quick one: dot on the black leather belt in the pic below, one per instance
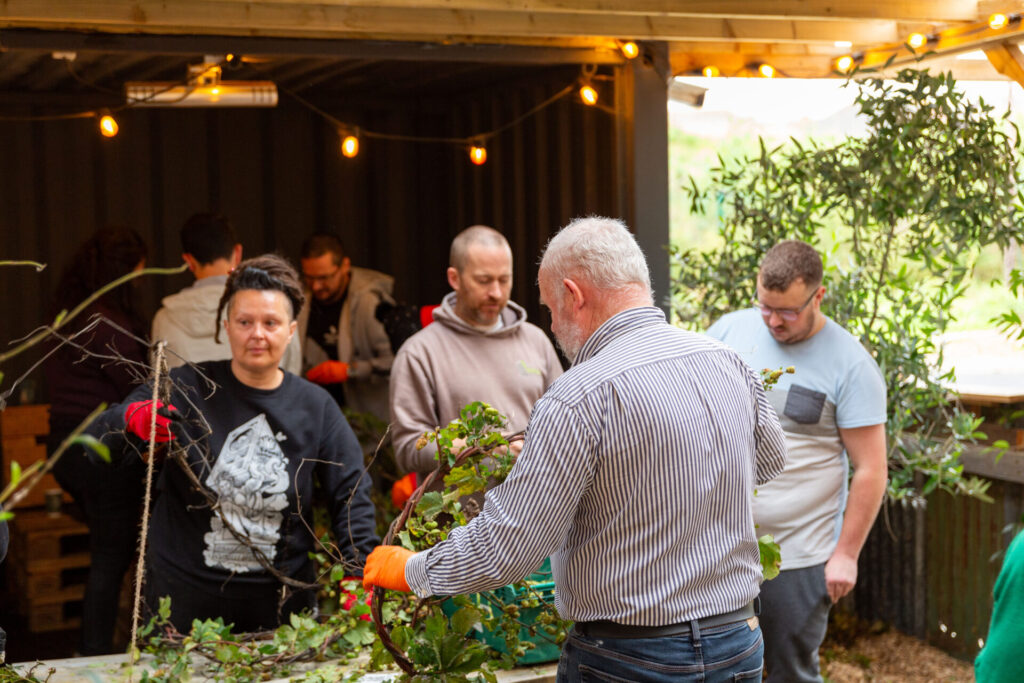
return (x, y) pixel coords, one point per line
(610, 629)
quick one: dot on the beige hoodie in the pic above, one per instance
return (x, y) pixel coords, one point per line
(450, 363)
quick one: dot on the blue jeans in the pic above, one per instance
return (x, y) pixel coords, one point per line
(732, 652)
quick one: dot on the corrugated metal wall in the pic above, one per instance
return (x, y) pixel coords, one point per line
(930, 571)
(279, 176)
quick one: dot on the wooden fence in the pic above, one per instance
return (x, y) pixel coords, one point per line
(928, 570)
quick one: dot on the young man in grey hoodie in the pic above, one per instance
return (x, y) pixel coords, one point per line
(187, 320)
(480, 348)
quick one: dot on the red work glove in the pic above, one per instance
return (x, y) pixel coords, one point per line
(328, 372)
(402, 489)
(427, 315)
(348, 599)
(139, 415)
(385, 567)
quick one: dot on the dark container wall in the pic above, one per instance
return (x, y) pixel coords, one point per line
(279, 175)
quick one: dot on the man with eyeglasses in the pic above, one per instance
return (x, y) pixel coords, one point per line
(833, 411)
(345, 348)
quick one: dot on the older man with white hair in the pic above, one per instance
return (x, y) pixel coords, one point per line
(637, 478)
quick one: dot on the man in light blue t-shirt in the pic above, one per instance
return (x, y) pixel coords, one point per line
(833, 410)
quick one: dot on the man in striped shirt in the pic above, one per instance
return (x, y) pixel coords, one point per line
(637, 478)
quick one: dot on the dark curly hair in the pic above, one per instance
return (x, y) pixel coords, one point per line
(107, 255)
(789, 261)
(266, 272)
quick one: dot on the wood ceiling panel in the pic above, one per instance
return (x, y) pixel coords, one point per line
(320, 19)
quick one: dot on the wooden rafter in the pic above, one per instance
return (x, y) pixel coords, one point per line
(945, 11)
(798, 37)
(946, 43)
(1007, 60)
(323, 19)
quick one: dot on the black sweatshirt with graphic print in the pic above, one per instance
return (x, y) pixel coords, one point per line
(258, 451)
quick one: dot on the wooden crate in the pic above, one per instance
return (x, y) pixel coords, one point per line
(30, 420)
(23, 432)
(57, 616)
(47, 568)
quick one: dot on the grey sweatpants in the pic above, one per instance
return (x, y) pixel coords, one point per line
(794, 618)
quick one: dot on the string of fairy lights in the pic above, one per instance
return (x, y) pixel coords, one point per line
(351, 136)
(915, 42)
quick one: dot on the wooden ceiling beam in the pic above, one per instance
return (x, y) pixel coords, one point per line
(319, 19)
(743, 64)
(819, 49)
(947, 43)
(1007, 60)
(944, 11)
(738, 64)
(572, 51)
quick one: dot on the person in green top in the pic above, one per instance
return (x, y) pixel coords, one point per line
(999, 660)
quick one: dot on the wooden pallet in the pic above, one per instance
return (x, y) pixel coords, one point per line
(47, 568)
(23, 432)
(59, 616)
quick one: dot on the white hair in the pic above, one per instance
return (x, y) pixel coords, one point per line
(598, 250)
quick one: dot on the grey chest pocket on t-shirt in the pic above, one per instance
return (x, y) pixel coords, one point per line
(804, 405)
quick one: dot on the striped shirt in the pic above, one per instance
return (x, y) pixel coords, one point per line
(636, 477)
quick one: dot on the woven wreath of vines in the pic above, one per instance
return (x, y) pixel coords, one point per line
(432, 638)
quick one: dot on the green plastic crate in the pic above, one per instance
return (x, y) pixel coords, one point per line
(544, 650)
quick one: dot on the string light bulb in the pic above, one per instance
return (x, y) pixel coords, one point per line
(844, 64)
(711, 71)
(478, 154)
(108, 126)
(917, 40)
(630, 50)
(998, 21)
(350, 145)
(766, 71)
(588, 95)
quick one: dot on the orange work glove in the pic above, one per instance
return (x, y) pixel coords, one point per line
(385, 567)
(139, 415)
(328, 372)
(402, 489)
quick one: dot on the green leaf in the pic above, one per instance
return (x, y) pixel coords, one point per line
(15, 472)
(771, 556)
(430, 505)
(401, 636)
(435, 626)
(450, 650)
(97, 446)
(465, 619)
(164, 610)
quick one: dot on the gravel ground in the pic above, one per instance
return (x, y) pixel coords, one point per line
(890, 657)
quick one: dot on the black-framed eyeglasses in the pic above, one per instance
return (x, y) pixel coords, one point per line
(312, 279)
(787, 314)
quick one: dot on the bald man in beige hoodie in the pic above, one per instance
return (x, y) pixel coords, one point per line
(480, 348)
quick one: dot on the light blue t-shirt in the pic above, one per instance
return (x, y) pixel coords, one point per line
(836, 385)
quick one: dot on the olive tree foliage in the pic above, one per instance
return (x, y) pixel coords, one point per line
(900, 214)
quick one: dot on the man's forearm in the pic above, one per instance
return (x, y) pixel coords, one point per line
(866, 490)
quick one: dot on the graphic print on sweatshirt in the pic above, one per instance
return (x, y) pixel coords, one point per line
(250, 479)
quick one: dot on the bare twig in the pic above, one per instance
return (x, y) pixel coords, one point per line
(64, 317)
